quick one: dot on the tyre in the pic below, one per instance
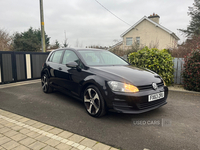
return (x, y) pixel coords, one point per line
(94, 102)
(45, 84)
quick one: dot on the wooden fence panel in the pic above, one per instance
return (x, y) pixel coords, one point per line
(178, 67)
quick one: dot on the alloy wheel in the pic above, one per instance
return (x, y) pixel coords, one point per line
(92, 101)
(44, 83)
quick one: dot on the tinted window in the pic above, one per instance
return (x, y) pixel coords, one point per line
(69, 56)
(56, 56)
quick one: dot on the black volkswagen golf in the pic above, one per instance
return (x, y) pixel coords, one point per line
(103, 81)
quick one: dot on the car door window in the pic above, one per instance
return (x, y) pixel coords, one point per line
(51, 57)
(57, 56)
(70, 56)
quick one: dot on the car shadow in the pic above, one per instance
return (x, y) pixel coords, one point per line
(153, 114)
(111, 115)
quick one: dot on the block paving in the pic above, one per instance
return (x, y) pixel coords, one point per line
(21, 133)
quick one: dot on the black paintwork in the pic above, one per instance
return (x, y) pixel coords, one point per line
(73, 78)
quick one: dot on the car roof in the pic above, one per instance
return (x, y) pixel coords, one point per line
(80, 49)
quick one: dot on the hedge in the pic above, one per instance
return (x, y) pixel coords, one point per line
(191, 72)
(159, 61)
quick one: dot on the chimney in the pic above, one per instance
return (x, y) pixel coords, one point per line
(154, 18)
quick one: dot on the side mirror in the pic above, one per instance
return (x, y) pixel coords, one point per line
(72, 65)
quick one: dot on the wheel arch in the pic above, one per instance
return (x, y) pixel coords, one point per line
(45, 71)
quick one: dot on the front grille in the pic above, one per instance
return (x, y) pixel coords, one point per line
(147, 105)
(150, 86)
(145, 87)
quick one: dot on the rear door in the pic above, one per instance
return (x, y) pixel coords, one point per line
(54, 67)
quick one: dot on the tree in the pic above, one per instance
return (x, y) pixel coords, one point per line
(29, 40)
(194, 27)
(97, 47)
(5, 41)
(191, 72)
(186, 47)
(65, 41)
(55, 46)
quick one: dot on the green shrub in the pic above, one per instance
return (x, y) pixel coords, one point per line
(191, 72)
(159, 61)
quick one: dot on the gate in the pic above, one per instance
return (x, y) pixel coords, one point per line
(20, 66)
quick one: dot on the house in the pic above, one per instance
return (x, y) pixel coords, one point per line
(148, 32)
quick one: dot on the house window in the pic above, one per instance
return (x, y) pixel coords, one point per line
(129, 41)
(138, 40)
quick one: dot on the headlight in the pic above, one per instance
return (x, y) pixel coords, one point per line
(122, 87)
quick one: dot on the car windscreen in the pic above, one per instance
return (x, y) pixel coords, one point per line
(101, 58)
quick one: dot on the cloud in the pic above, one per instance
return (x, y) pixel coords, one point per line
(89, 22)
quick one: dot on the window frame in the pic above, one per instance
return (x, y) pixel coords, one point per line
(138, 43)
(129, 39)
(50, 57)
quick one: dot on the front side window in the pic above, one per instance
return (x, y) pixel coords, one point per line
(56, 56)
(129, 41)
(69, 56)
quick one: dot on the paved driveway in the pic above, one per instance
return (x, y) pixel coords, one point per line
(57, 109)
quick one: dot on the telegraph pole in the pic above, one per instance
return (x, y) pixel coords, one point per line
(42, 26)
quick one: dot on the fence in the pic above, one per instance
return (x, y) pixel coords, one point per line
(178, 67)
(19, 66)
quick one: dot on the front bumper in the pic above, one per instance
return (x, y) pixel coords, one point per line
(136, 103)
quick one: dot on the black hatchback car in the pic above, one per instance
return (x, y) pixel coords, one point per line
(103, 81)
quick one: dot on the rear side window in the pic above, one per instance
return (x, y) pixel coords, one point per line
(51, 57)
(56, 56)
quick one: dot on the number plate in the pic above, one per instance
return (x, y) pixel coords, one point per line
(156, 96)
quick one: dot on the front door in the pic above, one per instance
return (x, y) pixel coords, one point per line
(70, 77)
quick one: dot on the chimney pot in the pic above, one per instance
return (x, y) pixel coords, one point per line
(154, 18)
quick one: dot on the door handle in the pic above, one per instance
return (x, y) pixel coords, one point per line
(59, 68)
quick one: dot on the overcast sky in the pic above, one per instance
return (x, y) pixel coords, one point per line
(87, 21)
